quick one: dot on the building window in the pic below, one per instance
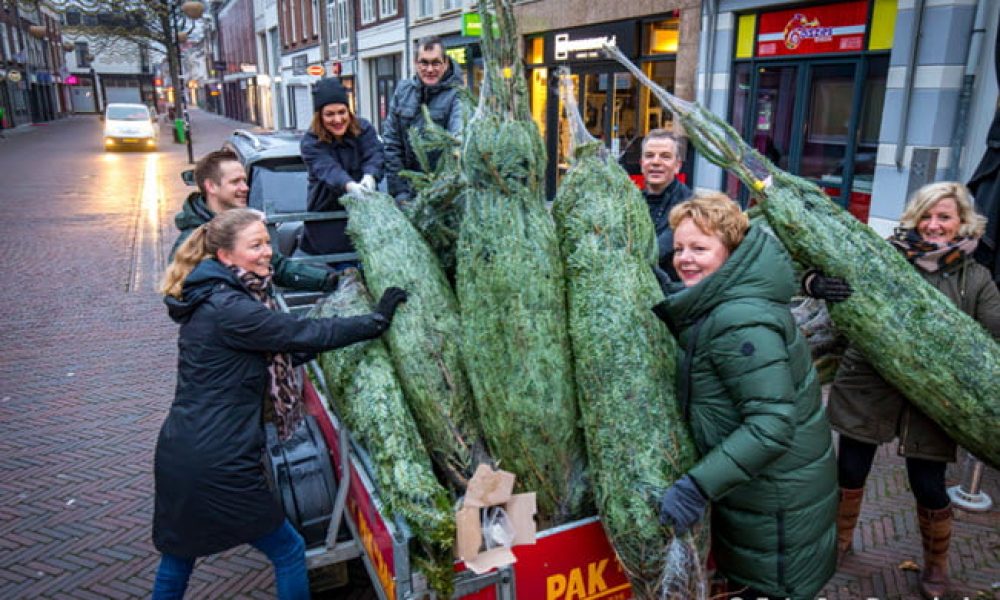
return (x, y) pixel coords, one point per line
(387, 8)
(339, 27)
(344, 16)
(425, 8)
(81, 55)
(367, 11)
(450, 4)
(293, 17)
(661, 37)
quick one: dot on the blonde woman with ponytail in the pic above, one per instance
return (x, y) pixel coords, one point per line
(234, 351)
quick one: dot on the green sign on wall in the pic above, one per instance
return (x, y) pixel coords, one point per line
(472, 25)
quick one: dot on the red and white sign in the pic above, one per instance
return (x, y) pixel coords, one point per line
(813, 29)
(315, 70)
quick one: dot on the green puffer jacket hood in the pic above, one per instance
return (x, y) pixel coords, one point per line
(749, 390)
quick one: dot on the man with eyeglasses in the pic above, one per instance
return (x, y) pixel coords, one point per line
(435, 84)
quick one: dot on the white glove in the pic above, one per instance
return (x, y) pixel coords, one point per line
(368, 182)
(354, 188)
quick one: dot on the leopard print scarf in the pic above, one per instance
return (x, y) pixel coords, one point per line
(929, 256)
(284, 391)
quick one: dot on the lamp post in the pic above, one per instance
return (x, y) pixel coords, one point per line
(192, 9)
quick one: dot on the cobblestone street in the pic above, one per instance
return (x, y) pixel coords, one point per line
(87, 371)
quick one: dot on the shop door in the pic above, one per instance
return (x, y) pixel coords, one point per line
(826, 126)
(801, 117)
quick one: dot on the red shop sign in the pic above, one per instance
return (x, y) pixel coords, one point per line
(813, 29)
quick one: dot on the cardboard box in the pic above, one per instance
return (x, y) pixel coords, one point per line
(486, 489)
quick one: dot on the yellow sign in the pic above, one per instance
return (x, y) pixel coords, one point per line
(582, 585)
(457, 53)
(378, 561)
(14, 76)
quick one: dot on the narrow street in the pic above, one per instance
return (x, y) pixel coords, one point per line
(88, 363)
(87, 372)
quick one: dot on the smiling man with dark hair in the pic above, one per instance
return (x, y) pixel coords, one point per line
(222, 185)
(660, 163)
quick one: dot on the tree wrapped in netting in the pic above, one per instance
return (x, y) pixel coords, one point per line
(510, 286)
(940, 358)
(436, 209)
(365, 393)
(425, 337)
(624, 360)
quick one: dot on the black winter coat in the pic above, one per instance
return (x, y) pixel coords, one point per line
(331, 167)
(659, 210)
(445, 109)
(211, 490)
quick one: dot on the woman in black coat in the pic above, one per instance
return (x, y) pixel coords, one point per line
(343, 154)
(233, 356)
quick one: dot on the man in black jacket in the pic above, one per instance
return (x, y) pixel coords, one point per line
(222, 185)
(435, 84)
(660, 164)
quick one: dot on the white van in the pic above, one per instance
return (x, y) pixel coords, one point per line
(130, 125)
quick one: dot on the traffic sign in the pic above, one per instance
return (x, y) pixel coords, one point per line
(315, 70)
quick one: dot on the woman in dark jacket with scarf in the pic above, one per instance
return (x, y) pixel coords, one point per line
(938, 233)
(343, 154)
(747, 386)
(234, 354)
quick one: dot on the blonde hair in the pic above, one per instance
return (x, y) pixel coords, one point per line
(324, 135)
(205, 242)
(715, 214)
(973, 224)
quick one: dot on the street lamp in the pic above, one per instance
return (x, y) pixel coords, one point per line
(192, 9)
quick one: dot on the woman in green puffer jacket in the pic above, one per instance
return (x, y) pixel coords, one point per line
(748, 388)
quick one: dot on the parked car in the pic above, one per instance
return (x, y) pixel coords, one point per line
(276, 176)
(130, 125)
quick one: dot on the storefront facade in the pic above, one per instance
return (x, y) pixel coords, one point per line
(614, 106)
(845, 94)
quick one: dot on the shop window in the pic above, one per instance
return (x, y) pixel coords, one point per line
(652, 115)
(536, 50)
(738, 111)
(661, 37)
(539, 79)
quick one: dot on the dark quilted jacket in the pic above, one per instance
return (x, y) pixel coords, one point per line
(404, 112)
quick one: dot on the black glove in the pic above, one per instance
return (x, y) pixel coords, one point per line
(682, 505)
(831, 289)
(389, 302)
(330, 284)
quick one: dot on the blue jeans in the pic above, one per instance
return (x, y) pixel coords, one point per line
(284, 547)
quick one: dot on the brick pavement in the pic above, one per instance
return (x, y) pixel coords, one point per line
(87, 368)
(86, 376)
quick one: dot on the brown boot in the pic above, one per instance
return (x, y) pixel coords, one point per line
(935, 531)
(847, 517)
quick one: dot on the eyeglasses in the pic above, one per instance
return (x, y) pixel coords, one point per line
(426, 64)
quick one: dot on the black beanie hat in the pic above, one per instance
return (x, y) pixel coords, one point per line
(328, 91)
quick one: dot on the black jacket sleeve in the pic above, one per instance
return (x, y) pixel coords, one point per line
(246, 324)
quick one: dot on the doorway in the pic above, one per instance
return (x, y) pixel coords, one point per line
(818, 119)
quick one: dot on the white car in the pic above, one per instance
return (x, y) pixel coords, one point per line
(130, 125)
